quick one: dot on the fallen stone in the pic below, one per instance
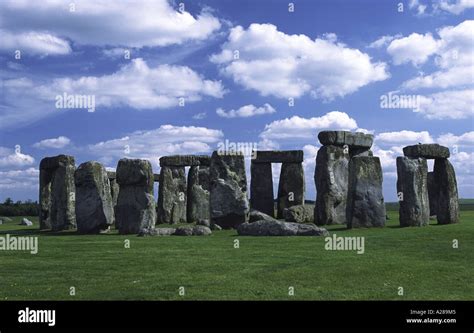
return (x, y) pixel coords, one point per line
(229, 204)
(291, 187)
(342, 138)
(6, 219)
(172, 195)
(447, 211)
(300, 213)
(94, 205)
(135, 208)
(278, 156)
(204, 222)
(429, 151)
(256, 215)
(412, 191)
(198, 194)
(277, 228)
(157, 232)
(185, 160)
(261, 188)
(331, 179)
(25, 221)
(198, 230)
(215, 227)
(365, 203)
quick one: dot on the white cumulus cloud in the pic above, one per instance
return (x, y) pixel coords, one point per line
(246, 111)
(59, 142)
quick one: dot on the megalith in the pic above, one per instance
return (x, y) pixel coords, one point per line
(261, 188)
(198, 194)
(229, 204)
(114, 187)
(57, 193)
(135, 208)
(331, 179)
(365, 202)
(94, 204)
(432, 193)
(172, 195)
(447, 193)
(412, 191)
(291, 187)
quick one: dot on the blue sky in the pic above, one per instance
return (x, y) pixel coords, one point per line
(236, 65)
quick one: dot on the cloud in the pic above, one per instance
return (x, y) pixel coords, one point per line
(200, 115)
(416, 5)
(463, 140)
(307, 128)
(11, 158)
(104, 23)
(166, 140)
(34, 43)
(455, 7)
(19, 179)
(56, 143)
(404, 137)
(274, 63)
(135, 85)
(415, 48)
(383, 41)
(455, 104)
(246, 111)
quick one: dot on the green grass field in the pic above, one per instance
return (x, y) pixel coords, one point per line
(99, 267)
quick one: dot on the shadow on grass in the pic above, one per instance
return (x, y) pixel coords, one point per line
(37, 232)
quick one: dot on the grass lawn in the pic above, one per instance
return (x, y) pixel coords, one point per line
(99, 267)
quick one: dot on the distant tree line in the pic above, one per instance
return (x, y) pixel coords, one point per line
(19, 208)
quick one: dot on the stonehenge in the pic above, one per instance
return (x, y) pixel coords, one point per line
(213, 194)
(291, 186)
(57, 193)
(422, 193)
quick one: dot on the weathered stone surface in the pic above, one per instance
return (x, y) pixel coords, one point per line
(291, 187)
(111, 175)
(94, 205)
(300, 213)
(256, 215)
(172, 195)
(57, 193)
(447, 190)
(198, 194)
(278, 156)
(229, 203)
(365, 203)
(198, 230)
(331, 179)
(156, 177)
(135, 208)
(114, 190)
(204, 222)
(432, 150)
(215, 227)
(261, 188)
(432, 193)
(185, 160)
(341, 138)
(412, 190)
(277, 228)
(360, 152)
(26, 222)
(157, 232)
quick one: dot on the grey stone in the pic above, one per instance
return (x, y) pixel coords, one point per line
(25, 221)
(172, 195)
(277, 228)
(215, 227)
(204, 222)
(291, 187)
(6, 219)
(135, 208)
(261, 188)
(229, 203)
(198, 230)
(331, 179)
(342, 138)
(412, 190)
(432, 150)
(114, 190)
(185, 160)
(360, 152)
(300, 213)
(94, 205)
(278, 156)
(57, 193)
(365, 203)
(198, 194)
(256, 215)
(447, 192)
(432, 193)
(157, 232)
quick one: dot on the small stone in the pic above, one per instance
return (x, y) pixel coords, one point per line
(299, 214)
(256, 215)
(277, 228)
(204, 222)
(25, 221)
(157, 232)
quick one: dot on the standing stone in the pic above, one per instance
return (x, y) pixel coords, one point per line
(229, 205)
(94, 206)
(261, 188)
(57, 193)
(135, 208)
(331, 178)
(172, 195)
(365, 203)
(412, 191)
(447, 190)
(114, 187)
(198, 194)
(291, 187)
(432, 193)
